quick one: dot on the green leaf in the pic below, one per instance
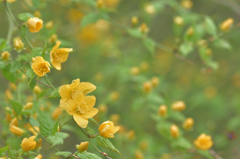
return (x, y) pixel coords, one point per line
(2, 64)
(221, 43)
(57, 139)
(149, 45)
(88, 155)
(32, 82)
(101, 141)
(9, 76)
(37, 51)
(3, 149)
(212, 64)
(90, 2)
(92, 18)
(137, 104)
(210, 26)
(155, 98)
(181, 143)
(13, 142)
(63, 153)
(205, 154)
(46, 124)
(64, 118)
(134, 32)
(55, 93)
(89, 130)
(164, 129)
(186, 48)
(23, 30)
(177, 116)
(25, 16)
(16, 65)
(17, 107)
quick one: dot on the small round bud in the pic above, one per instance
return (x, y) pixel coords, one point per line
(144, 28)
(134, 21)
(188, 123)
(135, 70)
(5, 55)
(49, 25)
(28, 106)
(162, 111)
(18, 44)
(147, 87)
(37, 89)
(83, 146)
(178, 21)
(155, 81)
(178, 106)
(102, 108)
(174, 131)
(225, 26)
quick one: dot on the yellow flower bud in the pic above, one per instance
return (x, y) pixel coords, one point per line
(155, 81)
(28, 106)
(53, 38)
(8, 117)
(150, 9)
(203, 142)
(139, 155)
(144, 66)
(8, 94)
(10, 1)
(107, 129)
(144, 145)
(115, 95)
(28, 144)
(225, 26)
(178, 21)
(144, 28)
(131, 135)
(5, 55)
(99, 76)
(37, 13)
(24, 77)
(39, 144)
(40, 66)
(100, 4)
(37, 89)
(178, 106)
(147, 87)
(174, 131)
(33, 130)
(134, 21)
(14, 122)
(16, 130)
(188, 123)
(135, 70)
(190, 31)
(102, 108)
(115, 118)
(188, 4)
(18, 44)
(56, 113)
(34, 24)
(38, 157)
(162, 111)
(83, 146)
(49, 25)
(12, 86)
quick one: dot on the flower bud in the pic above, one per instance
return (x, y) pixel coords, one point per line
(100, 4)
(40, 66)
(155, 81)
(12, 86)
(5, 55)
(174, 131)
(190, 31)
(225, 26)
(14, 122)
(162, 111)
(139, 155)
(115, 118)
(144, 145)
(107, 129)
(135, 70)
(150, 9)
(18, 44)
(131, 135)
(188, 4)
(49, 25)
(178, 106)
(37, 89)
(16, 130)
(34, 24)
(53, 38)
(39, 144)
(203, 142)
(83, 146)
(38, 157)
(28, 106)
(144, 28)
(115, 96)
(178, 21)
(144, 66)
(28, 144)
(56, 113)
(188, 123)
(102, 108)
(37, 13)
(147, 87)
(134, 21)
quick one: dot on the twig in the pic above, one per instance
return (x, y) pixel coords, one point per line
(214, 154)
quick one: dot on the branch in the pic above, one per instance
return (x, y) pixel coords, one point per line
(214, 154)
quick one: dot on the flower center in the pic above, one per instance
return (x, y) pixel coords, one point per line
(56, 57)
(82, 107)
(42, 67)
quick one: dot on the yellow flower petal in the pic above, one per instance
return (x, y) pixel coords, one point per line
(65, 90)
(91, 113)
(90, 101)
(82, 122)
(86, 87)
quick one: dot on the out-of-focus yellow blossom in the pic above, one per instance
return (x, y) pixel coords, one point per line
(74, 15)
(131, 135)
(8, 117)
(144, 66)
(210, 92)
(135, 70)
(115, 118)
(144, 28)
(53, 38)
(139, 155)
(12, 86)
(147, 87)
(16, 130)
(107, 129)
(188, 4)
(8, 94)
(98, 76)
(178, 106)
(75, 103)
(49, 25)
(225, 26)
(36, 90)
(28, 106)
(209, 51)
(188, 123)
(10, 1)
(174, 131)
(34, 130)
(178, 21)
(58, 56)
(38, 157)
(203, 142)
(28, 144)
(34, 24)
(14, 122)
(102, 25)
(203, 43)
(40, 66)
(144, 145)
(111, 3)
(155, 81)
(190, 31)
(162, 111)
(39, 144)
(150, 9)
(89, 34)
(24, 77)
(100, 4)
(5, 55)
(115, 95)
(134, 21)
(102, 108)
(56, 113)
(83, 146)
(165, 156)
(37, 13)
(18, 44)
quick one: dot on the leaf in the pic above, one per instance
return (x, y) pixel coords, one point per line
(90, 2)
(177, 116)
(55, 93)
(92, 18)
(137, 104)
(23, 30)
(46, 125)
(155, 98)
(3, 149)
(15, 66)
(17, 107)
(134, 32)
(149, 45)
(63, 153)
(13, 142)
(205, 154)
(2, 64)
(9, 76)
(88, 155)
(32, 82)
(25, 16)
(212, 64)
(186, 48)
(57, 139)
(181, 143)
(64, 118)
(221, 43)
(101, 141)
(164, 129)
(210, 26)
(89, 130)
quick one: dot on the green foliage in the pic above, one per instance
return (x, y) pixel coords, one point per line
(55, 94)
(46, 124)
(57, 138)
(101, 141)
(25, 16)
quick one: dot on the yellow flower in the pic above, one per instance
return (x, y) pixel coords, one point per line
(225, 26)
(18, 44)
(40, 66)
(147, 87)
(162, 111)
(188, 4)
(139, 155)
(36, 90)
(12, 86)
(144, 28)
(102, 108)
(178, 106)
(83, 146)
(56, 113)
(134, 21)
(203, 142)
(174, 131)
(34, 24)
(115, 118)
(53, 38)
(75, 103)
(16, 130)
(58, 56)
(188, 123)
(38, 157)
(5, 55)
(155, 81)
(135, 70)
(150, 9)
(107, 129)
(10, 1)
(49, 25)
(14, 122)
(114, 95)
(28, 144)
(178, 21)
(28, 106)
(190, 31)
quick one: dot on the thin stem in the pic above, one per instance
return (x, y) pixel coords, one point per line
(49, 82)
(43, 83)
(10, 30)
(214, 154)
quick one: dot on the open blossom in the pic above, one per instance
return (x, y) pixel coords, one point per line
(28, 144)
(107, 129)
(58, 56)
(203, 142)
(40, 66)
(34, 24)
(75, 103)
